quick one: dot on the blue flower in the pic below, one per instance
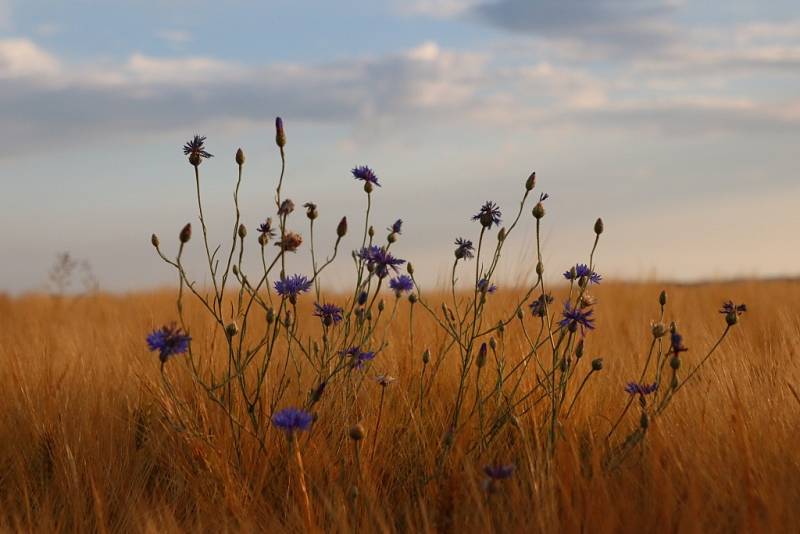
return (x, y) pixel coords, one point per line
(676, 342)
(292, 286)
(488, 215)
(499, 471)
(401, 283)
(582, 270)
(464, 248)
(538, 306)
(641, 389)
(168, 341)
(196, 148)
(576, 317)
(365, 174)
(730, 307)
(379, 260)
(485, 285)
(329, 313)
(396, 227)
(266, 228)
(359, 357)
(291, 420)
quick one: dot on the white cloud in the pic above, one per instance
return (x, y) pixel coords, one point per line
(21, 58)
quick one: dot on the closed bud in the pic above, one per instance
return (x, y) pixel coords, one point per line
(538, 210)
(186, 233)
(480, 361)
(659, 330)
(539, 268)
(195, 159)
(391, 238)
(368, 187)
(362, 298)
(369, 315)
(520, 313)
(492, 343)
(597, 364)
(341, 228)
(316, 393)
(731, 318)
(426, 356)
(280, 133)
(242, 231)
(644, 421)
(263, 239)
(598, 226)
(154, 240)
(240, 157)
(287, 321)
(501, 327)
(675, 362)
(412, 298)
(235, 270)
(371, 231)
(501, 235)
(662, 298)
(270, 315)
(381, 305)
(410, 269)
(311, 210)
(357, 432)
(579, 350)
(232, 329)
(674, 382)
(530, 183)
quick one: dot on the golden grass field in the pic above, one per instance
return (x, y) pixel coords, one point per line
(85, 445)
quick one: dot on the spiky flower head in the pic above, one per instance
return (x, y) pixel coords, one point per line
(291, 420)
(396, 227)
(676, 342)
(634, 388)
(195, 149)
(266, 229)
(358, 357)
(168, 341)
(401, 284)
(485, 286)
(581, 270)
(732, 312)
(488, 215)
(330, 314)
(573, 318)
(539, 306)
(292, 286)
(464, 249)
(365, 174)
(379, 260)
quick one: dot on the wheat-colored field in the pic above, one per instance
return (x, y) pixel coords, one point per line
(90, 442)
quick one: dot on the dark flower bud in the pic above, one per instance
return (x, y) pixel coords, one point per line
(674, 382)
(391, 238)
(539, 268)
(426, 356)
(195, 159)
(412, 298)
(242, 231)
(538, 210)
(341, 228)
(154, 240)
(311, 210)
(381, 305)
(662, 298)
(231, 329)
(368, 187)
(579, 350)
(263, 239)
(362, 298)
(240, 157)
(530, 183)
(659, 330)
(501, 327)
(520, 314)
(675, 362)
(598, 226)
(597, 364)
(357, 432)
(186, 233)
(288, 319)
(270, 315)
(501, 235)
(480, 361)
(371, 231)
(731, 318)
(492, 343)
(316, 393)
(644, 421)
(369, 315)
(410, 269)
(235, 270)
(280, 134)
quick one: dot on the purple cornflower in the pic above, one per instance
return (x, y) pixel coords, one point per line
(676, 342)
(365, 174)
(292, 286)
(266, 229)
(485, 286)
(730, 307)
(576, 317)
(488, 215)
(380, 260)
(401, 283)
(538, 306)
(195, 148)
(329, 313)
(397, 227)
(499, 471)
(582, 270)
(635, 388)
(359, 357)
(362, 298)
(290, 420)
(464, 249)
(168, 341)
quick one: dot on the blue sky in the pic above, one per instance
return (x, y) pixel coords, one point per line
(676, 121)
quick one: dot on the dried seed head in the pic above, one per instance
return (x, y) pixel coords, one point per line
(357, 432)
(538, 210)
(290, 242)
(311, 210)
(242, 231)
(240, 157)
(286, 207)
(597, 364)
(530, 183)
(341, 228)
(659, 330)
(154, 240)
(598, 226)
(263, 239)
(186, 233)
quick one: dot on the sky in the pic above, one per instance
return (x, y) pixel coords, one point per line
(678, 122)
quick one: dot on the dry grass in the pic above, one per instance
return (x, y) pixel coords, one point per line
(85, 446)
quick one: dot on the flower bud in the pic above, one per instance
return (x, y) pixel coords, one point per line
(186, 233)
(426, 356)
(480, 361)
(675, 362)
(539, 269)
(579, 350)
(520, 313)
(154, 240)
(242, 231)
(316, 393)
(662, 298)
(598, 226)
(381, 305)
(311, 210)
(371, 231)
(270, 315)
(280, 133)
(195, 159)
(341, 228)
(530, 183)
(357, 432)
(597, 364)
(235, 270)
(674, 382)
(412, 298)
(263, 239)
(644, 421)
(240, 157)
(492, 343)
(501, 235)
(231, 329)
(538, 210)
(731, 318)
(659, 330)
(368, 187)
(410, 269)
(391, 238)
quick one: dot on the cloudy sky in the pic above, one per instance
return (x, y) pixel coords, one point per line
(678, 122)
